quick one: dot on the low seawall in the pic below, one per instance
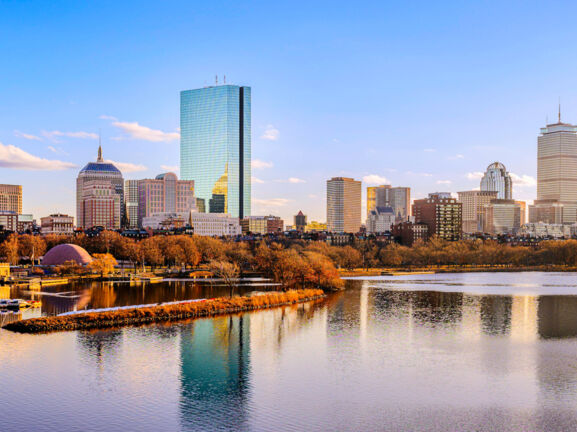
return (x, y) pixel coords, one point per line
(163, 313)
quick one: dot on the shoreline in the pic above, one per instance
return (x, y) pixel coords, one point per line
(401, 271)
(163, 313)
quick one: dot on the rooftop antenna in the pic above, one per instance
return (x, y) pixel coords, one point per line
(216, 79)
(559, 109)
(225, 79)
(99, 159)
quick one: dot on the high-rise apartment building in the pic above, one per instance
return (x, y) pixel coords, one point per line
(474, 209)
(11, 198)
(496, 178)
(556, 175)
(100, 174)
(441, 213)
(215, 147)
(131, 203)
(399, 198)
(165, 194)
(343, 205)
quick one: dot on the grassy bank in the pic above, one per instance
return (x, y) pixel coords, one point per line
(395, 271)
(160, 313)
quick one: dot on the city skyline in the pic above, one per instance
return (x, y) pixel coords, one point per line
(295, 112)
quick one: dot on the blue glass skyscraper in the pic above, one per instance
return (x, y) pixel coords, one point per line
(215, 146)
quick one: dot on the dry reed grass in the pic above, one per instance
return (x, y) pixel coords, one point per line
(160, 313)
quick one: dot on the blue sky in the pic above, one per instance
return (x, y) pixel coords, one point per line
(422, 94)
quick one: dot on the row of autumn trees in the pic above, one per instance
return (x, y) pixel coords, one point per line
(293, 262)
(291, 267)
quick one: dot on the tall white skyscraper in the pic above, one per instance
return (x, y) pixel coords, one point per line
(497, 179)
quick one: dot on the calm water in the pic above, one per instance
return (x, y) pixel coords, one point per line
(418, 353)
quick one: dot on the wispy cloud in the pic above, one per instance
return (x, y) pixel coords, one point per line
(523, 180)
(133, 130)
(170, 168)
(54, 135)
(16, 158)
(270, 133)
(260, 164)
(256, 180)
(429, 150)
(128, 167)
(293, 180)
(24, 135)
(312, 196)
(475, 175)
(107, 117)
(57, 150)
(444, 182)
(457, 156)
(375, 179)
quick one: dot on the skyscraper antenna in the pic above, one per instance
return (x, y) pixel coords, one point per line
(99, 159)
(216, 79)
(559, 109)
(225, 79)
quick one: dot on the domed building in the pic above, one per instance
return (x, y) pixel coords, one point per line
(99, 195)
(62, 253)
(497, 179)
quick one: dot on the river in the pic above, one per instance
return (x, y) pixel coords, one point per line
(444, 352)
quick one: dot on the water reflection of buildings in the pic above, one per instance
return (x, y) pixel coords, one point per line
(215, 363)
(557, 316)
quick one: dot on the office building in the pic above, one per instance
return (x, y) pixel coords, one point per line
(380, 220)
(131, 203)
(214, 225)
(441, 213)
(57, 223)
(474, 209)
(343, 205)
(164, 195)
(215, 147)
(100, 205)
(11, 198)
(545, 230)
(496, 178)
(523, 206)
(399, 198)
(502, 217)
(26, 223)
(165, 221)
(300, 221)
(262, 225)
(8, 220)
(100, 175)
(377, 196)
(556, 201)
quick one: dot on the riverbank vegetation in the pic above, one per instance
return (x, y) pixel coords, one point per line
(292, 263)
(163, 313)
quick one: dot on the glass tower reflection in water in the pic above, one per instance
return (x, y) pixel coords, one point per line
(215, 367)
(215, 147)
